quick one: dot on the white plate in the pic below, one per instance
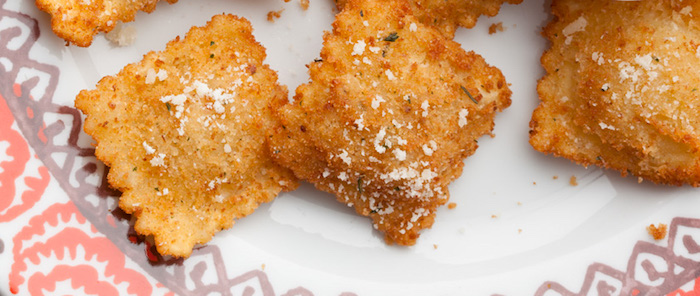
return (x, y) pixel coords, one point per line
(516, 230)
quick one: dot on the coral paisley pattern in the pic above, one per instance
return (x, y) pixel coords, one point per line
(62, 236)
(10, 171)
(86, 246)
(18, 151)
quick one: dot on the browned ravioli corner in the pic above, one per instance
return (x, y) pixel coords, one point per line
(78, 21)
(184, 134)
(447, 15)
(391, 110)
(621, 88)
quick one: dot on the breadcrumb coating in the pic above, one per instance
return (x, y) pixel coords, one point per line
(447, 15)
(621, 88)
(184, 134)
(391, 110)
(78, 21)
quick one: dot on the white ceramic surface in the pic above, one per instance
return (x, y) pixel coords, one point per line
(515, 226)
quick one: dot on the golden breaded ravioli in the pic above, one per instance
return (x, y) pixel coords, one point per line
(391, 111)
(184, 134)
(622, 89)
(77, 21)
(447, 15)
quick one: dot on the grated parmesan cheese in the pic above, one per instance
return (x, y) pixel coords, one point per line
(359, 47)
(158, 160)
(576, 26)
(377, 101)
(149, 149)
(463, 117)
(390, 74)
(345, 157)
(399, 154)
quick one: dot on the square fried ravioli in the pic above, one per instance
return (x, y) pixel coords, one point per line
(447, 15)
(77, 21)
(392, 109)
(184, 134)
(621, 88)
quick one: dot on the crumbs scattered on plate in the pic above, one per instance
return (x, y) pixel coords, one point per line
(495, 28)
(304, 4)
(657, 232)
(573, 181)
(272, 15)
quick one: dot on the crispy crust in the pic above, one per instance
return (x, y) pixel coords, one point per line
(183, 132)
(620, 89)
(387, 119)
(447, 15)
(77, 21)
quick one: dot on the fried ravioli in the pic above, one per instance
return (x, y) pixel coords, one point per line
(621, 88)
(391, 110)
(447, 15)
(77, 21)
(184, 134)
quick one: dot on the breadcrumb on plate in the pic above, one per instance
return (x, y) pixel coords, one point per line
(657, 232)
(495, 28)
(573, 181)
(272, 15)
